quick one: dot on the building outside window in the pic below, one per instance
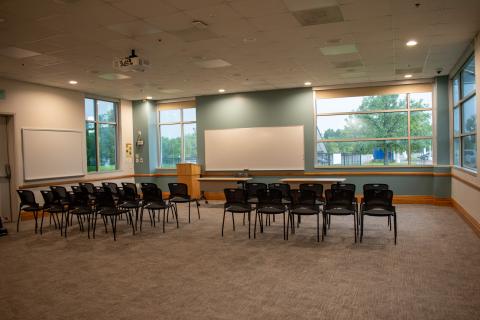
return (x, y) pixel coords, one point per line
(101, 135)
(374, 130)
(465, 117)
(177, 130)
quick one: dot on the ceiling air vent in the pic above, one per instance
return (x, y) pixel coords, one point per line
(319, 16)
(348, 64)
(409, 70)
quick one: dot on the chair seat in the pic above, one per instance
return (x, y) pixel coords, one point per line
(111, 211)
(32, 208)
(131, 205)
(253, 200)
(54, 209)
(81, 211)
(339, 211)
(378, 212)
(179, 199)
(238, 208)
(304, 211)
(271, 209)
(156, 206)
(286, 201)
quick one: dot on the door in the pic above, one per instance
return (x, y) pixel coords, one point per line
(5, 210)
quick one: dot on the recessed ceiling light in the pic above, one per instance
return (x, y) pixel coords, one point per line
(73, 82)
(221, 90)
(308, 83)
(408, 76)
(411, 43)
(2, 20)
(149, 97)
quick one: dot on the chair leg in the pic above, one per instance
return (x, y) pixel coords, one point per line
(390, 223)
(129, 214)
(244, 218)
(249, 218)
(35, 216)
(395, 226)
(163, 220)
(288, 225)
(361, 227)
(88, 226)
(176, 215)
(141, 218)
(283, 225)
(255, 226)
(113, 228)
(355, 226)
(188, 212)
(323, 226)
(41, 223)
(198, 209)
(223, 221)
(66, 224)
(318, 227)
(233, 221)
(94, 224)
(18, 219)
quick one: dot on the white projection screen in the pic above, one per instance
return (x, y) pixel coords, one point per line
(260, 148)
(49, 153)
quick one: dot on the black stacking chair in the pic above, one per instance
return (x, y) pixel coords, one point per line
(284, 188)
(28, 204)
(378, 203)
(60, 194)
(80, 206)
(252, 188)
(344, 186)
(375, 186)
(236, 202)
(88, 186)
(115, 190)
(51, 207)
(153, 201)
(179, 194)
(318, 189)
(269, 203)
(340, 202)
(131, 200)
(304, 203)
(106, 207)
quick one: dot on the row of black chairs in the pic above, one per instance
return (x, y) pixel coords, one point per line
(109, 201)
(340, 200)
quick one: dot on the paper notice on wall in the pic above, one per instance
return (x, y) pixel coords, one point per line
(128, 150)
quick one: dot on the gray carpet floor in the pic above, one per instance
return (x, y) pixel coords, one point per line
(194, 273)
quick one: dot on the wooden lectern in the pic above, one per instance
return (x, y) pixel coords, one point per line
(188, 173)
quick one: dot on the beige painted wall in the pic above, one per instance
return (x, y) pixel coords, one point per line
(465, 195)
(38, 106)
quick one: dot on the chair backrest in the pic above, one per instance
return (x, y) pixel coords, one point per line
(27, 198)
(235, 196)
(378, 199)
(253, 187)
(130, 191)
(283, 187)
(178, 189)
(375, 186)
(79, 197)
(89, 187)
(315, 187)
(343, 198)
(76, 189)
(269, 196)
(343, 186)
(48, 198)
(151, 192)
(104, 199)
(112, 186)
(59, 193)
(303, 197)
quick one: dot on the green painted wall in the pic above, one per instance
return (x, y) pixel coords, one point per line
(294, 107)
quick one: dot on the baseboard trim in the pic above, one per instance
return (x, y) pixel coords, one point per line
(467, 217)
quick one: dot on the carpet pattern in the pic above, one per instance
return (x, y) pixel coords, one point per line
(194, 273)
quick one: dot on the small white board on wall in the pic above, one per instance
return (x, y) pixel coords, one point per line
(258, 148)
(52, 153)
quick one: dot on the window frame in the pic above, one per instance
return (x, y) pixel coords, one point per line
(97, 124)
(460, 105)
(182, 123)
(408, 137)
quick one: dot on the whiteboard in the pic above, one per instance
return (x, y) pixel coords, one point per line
(259, 148)
(49, 153)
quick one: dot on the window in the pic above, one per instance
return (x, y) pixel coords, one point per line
(465, 117)
(374, 130)
(178, 134)
(101, 130)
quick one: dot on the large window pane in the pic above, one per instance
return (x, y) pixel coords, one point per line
(469, 117)
(106, 111)
(456, 151)
(91, 147)
(190, 142)
(469, 154)
(421, 152)
(170, 145)
(353, 104)
(170, 115)
(189, 114)
(421, 123)
(420, 100)
(456, 121)
(456, 89)
(362, 153)
(373, 125)
(468, 77)
(89, 109)
(107, 147)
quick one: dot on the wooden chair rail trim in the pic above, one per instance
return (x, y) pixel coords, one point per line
(468, 183)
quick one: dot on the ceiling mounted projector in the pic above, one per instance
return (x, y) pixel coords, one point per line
(131, 63)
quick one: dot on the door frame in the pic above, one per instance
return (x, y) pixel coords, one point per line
(11, 160)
